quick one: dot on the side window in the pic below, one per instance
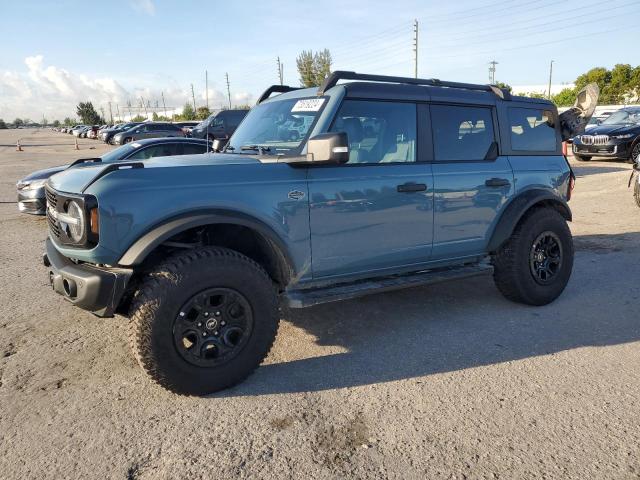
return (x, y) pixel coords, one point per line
(191, 149)
(378, 132)
(532, 129)
(162, 150)
(217, 122)
(461, 133)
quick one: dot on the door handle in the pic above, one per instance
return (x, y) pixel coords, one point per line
(412, 187)
(497, 182)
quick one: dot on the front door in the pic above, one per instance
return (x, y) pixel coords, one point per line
(375, 213)
(472, 181)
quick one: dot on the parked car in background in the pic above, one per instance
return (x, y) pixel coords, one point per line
(77, 130)
(31, 194)
(107, 135)
(617, 137)
(148, 130)
(186, 126)
(220, 125)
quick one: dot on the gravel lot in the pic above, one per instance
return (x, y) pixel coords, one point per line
(449, 381)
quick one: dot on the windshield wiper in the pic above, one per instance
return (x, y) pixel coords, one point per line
(257, 148)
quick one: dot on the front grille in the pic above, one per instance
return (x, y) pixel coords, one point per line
(594, 139)
(52, 198)
(52, 202)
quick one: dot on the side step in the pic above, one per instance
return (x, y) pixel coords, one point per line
(347, 291)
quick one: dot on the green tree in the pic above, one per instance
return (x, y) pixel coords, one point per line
(68, 122)
(202, 113)
(56, 123)
(313, 68)
(322, 62)
(3, 126)
(565, 98)
(188, 113)
(88, 114)
(504, 85)
(306, 68)
(18, 122)
(138, 118)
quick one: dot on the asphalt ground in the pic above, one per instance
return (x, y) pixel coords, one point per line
(447, 381)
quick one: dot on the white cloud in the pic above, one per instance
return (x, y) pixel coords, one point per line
(144, 6)
(54, 92)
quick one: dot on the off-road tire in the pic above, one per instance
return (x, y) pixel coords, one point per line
(160, 297)
(583, 158)
(512, 272)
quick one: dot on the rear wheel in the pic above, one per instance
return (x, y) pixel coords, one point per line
(128, 140)
(203, 320)
(534, 265)
(583, 158)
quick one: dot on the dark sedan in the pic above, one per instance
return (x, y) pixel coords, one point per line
(616, 137)
(31, 196)
(107, 134)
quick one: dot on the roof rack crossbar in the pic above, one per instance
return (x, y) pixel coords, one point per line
(335, 77)
(275, 89)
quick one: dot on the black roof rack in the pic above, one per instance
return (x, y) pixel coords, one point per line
(275, 89)
(335, 77)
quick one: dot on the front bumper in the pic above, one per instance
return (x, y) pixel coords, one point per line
(96, 289)
(613, 149)
(32, 201)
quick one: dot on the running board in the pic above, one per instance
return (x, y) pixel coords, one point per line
(316, 296)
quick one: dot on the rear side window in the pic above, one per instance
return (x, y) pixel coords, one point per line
(190, 149)
(161, 150)
(461, 133)
(532, 129)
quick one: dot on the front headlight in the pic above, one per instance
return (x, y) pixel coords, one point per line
(626, 135)
(73, 221)
(33, 185)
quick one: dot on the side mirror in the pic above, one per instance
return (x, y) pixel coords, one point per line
(328, 148)
(218, 145)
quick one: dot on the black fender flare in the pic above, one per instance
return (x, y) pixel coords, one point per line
(158, 234)
(517, 208)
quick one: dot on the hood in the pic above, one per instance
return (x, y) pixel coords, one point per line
(614, 129)
(76, 180)
(44, 173)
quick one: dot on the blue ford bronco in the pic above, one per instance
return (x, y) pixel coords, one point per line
(321, 194)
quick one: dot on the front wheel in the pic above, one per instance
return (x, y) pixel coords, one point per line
(202, 321)
(534, 265)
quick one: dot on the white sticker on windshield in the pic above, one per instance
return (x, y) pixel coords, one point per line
(308, 105)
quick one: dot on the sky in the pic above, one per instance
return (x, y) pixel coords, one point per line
(55, 54)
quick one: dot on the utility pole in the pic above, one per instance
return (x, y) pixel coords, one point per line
(492, 72)
(110, 114)
(118, 112)
(280, 71)
(415, 47)
(102, 111)
(550, 76)
(130, 113)
(228, 90)
(206, 86)
(164, 105)
(193, 96)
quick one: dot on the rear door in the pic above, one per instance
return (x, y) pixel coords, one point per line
(472, 181)
(375, 213)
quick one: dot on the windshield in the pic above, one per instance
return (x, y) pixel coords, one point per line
(276, 128)
(623, 117)
(118, 153)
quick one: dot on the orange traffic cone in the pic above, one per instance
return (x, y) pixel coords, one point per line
(19, 147)
(77, 147)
